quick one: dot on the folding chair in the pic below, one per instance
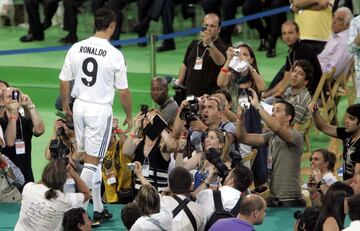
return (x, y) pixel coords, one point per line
(305, 129)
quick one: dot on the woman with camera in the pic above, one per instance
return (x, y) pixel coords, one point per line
(151, 147)
(239, 73)
(43, 204)
(216, 150)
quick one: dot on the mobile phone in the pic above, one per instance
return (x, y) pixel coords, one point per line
(15, 95)
(154, 130)
(144, 109)
(204, 28)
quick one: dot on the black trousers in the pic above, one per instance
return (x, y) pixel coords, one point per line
(255, 6)
(154, 9)
(227, 10)
(32, 10)
(117, 6)
(276, 21)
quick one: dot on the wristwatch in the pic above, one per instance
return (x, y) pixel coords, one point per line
(211, 45)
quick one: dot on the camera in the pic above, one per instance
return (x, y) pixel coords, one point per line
(144, 109)
(69, 123)
(237, 51)
(15, 95)
(238, 65)
(190, 113)
(131, 166)
(213, 156)
(204, 28)
(58, 150)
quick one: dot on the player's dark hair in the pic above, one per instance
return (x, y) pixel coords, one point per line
(103, 18)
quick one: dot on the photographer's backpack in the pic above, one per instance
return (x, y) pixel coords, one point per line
(220, 213)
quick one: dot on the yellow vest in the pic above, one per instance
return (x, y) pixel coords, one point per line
(115, 162)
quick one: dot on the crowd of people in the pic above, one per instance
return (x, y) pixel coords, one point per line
(180, 166)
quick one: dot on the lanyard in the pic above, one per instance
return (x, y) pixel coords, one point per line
(197, 51)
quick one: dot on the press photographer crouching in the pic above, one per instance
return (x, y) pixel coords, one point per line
(63, 146)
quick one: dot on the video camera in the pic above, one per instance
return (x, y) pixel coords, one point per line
(190, 113)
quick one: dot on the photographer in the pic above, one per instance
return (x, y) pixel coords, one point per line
(237, 181)
(19, 130)
(154, 154)
(63, 146)
(43, 204)
(209, 164)
(239, 73)
(285, 149)
(116, 176)
(197, 117)
(67, 136)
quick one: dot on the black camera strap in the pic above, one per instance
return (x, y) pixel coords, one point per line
(183, 206)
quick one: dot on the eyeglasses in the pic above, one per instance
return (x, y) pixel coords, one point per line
(338, 20)
(315, 158)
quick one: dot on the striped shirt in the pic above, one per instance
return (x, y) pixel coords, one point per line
(300, 100)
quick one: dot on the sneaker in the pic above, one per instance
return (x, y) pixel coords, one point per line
(105, 215)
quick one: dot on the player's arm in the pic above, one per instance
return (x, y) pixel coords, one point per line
(125, 99)
(64, 93)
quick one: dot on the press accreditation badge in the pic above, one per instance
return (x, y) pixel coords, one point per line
(145, 170)
(20, 147)
(198, 63)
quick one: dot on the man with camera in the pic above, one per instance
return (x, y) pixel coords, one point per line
(203, 59)
(20, 129)
(285, 149)
(198, 116)
(159, 93)
(98, 69)
(236, 182)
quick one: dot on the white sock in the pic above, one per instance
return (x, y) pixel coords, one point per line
(87, 175)
(96, 196)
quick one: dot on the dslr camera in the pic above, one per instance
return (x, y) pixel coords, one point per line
(190, 113)
(58, 150)
(213, 156)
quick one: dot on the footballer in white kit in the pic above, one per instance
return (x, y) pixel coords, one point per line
(98, 69)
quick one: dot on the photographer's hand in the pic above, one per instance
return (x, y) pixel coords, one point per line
(254, 100)
(139, 174)
(229, 53)
(205, 37)
(198, 125)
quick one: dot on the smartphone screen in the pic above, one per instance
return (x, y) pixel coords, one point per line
(154, 130)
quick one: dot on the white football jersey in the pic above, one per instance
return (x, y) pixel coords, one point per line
(98, 69)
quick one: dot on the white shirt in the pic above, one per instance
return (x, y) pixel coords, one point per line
(181, 221)
(229, 198)
(97, 67)
(164, 218)
(354, 226)
(40, 214)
